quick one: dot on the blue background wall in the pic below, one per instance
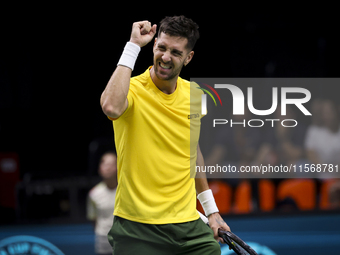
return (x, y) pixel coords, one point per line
(303, 234)
(291, 234)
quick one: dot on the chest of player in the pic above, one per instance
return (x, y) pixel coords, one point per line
(162, 118)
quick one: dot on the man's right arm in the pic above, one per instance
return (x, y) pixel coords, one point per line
(114, 98)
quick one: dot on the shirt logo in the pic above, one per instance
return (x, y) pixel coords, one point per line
(193, 116)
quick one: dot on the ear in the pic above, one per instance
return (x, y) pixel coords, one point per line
(154, 45)
(188, 58)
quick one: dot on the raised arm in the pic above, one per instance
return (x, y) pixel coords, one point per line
(114, 98)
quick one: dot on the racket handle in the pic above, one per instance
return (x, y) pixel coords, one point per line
(221, 233)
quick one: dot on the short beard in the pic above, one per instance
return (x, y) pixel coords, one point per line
(172, 74)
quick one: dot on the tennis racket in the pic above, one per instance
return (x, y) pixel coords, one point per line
(235, 243)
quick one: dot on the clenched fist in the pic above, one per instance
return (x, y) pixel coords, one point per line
(142, 33)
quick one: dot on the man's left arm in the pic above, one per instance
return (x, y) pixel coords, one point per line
(205, 196)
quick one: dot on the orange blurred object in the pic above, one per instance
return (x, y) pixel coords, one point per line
(302, 191)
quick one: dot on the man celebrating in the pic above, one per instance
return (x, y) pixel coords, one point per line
(155, 207)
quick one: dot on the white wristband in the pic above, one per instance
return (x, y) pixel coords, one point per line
(129, 55)
(207, 201)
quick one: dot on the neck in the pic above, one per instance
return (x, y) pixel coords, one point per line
(166, 86)
(111, 183)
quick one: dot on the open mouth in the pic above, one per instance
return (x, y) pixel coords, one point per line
(164, 66)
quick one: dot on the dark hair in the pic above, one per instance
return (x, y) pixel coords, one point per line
(180, 26)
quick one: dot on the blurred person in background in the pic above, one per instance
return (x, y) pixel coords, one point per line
(287, 142)
(101, 201)
(317, 119)
(283, 145)
(236, 145)
(323, 143)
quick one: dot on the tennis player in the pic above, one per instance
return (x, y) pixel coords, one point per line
(155, 207)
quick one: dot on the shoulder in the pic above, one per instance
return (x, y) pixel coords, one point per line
(193, 89)
(190, 87)
(97, 190)
(140, 80)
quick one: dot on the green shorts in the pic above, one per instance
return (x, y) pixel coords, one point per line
(130, 238)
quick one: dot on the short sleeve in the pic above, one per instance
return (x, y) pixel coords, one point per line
(130, 103)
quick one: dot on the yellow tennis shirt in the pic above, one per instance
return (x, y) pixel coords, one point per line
(155, 148)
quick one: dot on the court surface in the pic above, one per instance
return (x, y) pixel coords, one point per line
(298, 234)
